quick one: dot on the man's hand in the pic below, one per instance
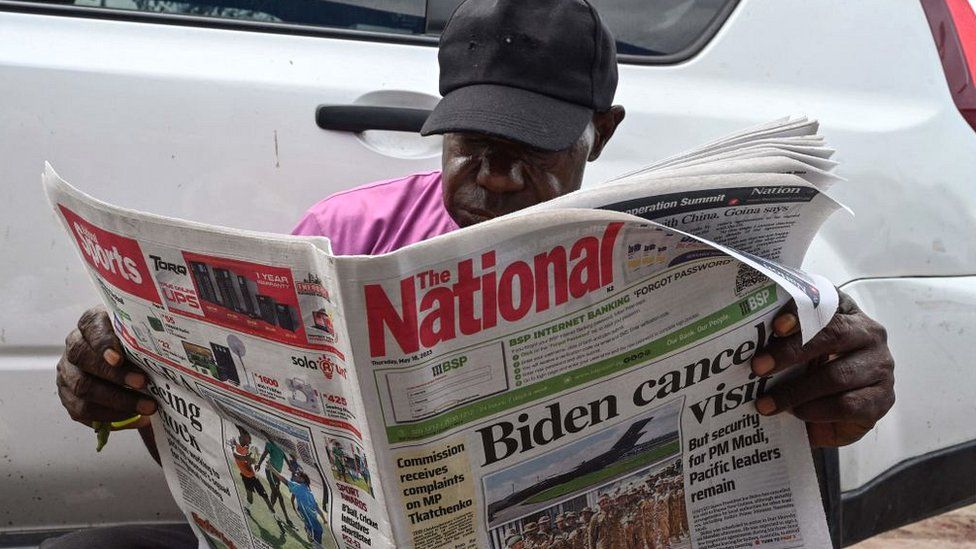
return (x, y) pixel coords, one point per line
(849, 383)
(95, 381)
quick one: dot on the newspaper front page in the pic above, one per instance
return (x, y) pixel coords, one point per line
(561, 378)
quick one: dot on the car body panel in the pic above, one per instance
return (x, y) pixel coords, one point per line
(934, 344)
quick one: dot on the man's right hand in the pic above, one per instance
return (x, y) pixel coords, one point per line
(95, 381)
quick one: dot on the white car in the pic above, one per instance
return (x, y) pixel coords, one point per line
(210, 110)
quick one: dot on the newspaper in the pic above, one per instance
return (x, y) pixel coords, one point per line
(574, 375)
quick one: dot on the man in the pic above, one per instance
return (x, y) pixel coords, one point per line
(294, 467)
(575, 533)
(338, 458)
(528, 100)
(604, 528)
(303, 500)
(564, 527)
(631, 533)
(676, 508)
(647, 513)
(514, 541)
(276, 461)
(532, 538)
(586, 516)
(545, 536)
(241, 448)
(661, 525)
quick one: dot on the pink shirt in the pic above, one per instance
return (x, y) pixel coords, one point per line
(380, 217)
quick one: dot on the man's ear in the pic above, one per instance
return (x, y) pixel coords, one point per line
(604, 124)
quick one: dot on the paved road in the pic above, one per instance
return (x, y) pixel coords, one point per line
(955, 530)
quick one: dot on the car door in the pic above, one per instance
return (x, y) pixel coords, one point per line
(205, 110)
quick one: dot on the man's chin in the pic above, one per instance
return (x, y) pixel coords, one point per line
(465, 217)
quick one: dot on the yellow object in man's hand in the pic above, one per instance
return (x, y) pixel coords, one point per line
(104, 429)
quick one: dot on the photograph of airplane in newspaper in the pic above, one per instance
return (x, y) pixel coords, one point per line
(624, 483)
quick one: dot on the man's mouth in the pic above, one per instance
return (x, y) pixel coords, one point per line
(476, 215)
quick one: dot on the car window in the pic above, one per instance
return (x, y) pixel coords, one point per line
(658, 28)
(647, 31)
(396, 16)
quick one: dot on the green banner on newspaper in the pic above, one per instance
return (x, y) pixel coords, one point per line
(698, 330)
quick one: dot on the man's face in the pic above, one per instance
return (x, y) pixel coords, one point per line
(486, 177)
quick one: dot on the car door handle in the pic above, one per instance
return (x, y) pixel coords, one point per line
(358, 118)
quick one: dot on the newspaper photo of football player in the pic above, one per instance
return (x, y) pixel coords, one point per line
(349, 464)
(282, 506)
(280, 483)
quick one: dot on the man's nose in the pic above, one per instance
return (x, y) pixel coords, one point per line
(500, 175)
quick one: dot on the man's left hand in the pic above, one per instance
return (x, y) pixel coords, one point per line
(849, 383)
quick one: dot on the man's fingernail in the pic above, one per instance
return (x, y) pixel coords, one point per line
(112, 357)
(146, 407)
(766, 405)
(763, 364)
(785, 324)
(135, 380)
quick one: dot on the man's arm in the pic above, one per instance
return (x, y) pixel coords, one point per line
(278, 475)
(849, 384)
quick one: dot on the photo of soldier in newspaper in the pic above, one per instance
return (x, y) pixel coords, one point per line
(619, 488)
(348, 463)
(284, 495)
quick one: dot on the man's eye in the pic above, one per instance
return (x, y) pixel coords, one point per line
(540, 157)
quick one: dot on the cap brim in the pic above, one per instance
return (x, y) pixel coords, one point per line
(510, 113)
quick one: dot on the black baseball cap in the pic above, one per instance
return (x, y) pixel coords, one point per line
(532, 71)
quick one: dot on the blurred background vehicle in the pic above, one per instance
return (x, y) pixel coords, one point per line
(209, 110)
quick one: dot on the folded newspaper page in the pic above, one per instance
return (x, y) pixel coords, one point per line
(570, 376)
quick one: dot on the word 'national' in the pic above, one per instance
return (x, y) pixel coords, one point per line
(445, 308)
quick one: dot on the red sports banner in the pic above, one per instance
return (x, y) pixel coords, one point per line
(117, 259)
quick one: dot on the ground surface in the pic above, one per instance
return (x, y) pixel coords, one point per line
(955, 530)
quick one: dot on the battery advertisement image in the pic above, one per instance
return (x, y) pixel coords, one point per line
(248, 297)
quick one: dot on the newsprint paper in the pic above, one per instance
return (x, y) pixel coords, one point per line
(572, 376)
